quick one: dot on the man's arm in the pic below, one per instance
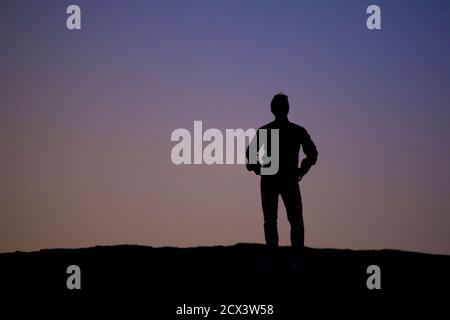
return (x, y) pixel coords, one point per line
(310, 150)
(254, 164)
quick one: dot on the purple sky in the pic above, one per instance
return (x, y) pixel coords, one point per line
(86, 118)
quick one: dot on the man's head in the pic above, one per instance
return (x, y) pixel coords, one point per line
(280, 105)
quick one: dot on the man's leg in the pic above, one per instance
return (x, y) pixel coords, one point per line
(269, 200)
(292, 199)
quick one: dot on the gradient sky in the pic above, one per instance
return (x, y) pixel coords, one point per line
(86, 118)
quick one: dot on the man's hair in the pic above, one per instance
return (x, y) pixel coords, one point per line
(279, 104)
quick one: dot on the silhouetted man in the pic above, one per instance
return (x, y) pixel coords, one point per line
(292, 137)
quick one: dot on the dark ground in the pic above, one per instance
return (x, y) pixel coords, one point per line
(158, 280)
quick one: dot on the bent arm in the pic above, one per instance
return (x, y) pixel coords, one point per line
(310, 151)
(252, 163)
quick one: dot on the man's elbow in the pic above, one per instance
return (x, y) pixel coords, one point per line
(313, 158)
